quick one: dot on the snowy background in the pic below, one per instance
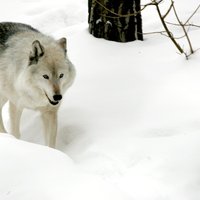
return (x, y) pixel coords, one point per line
(129, 127)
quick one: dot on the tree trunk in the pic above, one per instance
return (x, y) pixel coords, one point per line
(105, 23)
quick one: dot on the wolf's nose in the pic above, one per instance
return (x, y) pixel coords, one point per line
(57, 97)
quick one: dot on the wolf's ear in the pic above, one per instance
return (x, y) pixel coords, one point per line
(63, 43)
(36, 53)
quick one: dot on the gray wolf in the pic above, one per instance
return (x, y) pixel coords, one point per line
(35, 71)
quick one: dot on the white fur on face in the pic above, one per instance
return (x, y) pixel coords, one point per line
(53, 63)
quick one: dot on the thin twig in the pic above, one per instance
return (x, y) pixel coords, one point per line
(117, 15)
(168, 11)
(192, 14)
(154, 32)
(176, 24)
(184, 30)
(166, 28)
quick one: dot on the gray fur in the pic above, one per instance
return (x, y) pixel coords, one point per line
(34, 73)
(8, 29)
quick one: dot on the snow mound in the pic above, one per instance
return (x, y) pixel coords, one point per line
(30, 171)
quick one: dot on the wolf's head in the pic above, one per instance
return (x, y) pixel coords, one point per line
(51, 71)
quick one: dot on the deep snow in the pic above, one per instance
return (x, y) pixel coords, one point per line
(128, 127)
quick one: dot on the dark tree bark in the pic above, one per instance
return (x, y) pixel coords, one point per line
(124, 26)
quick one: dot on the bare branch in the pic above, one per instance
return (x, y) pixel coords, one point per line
(166, 31)
(166, 28)
(184, 30)
(154, 32)
(188, 24)
(192, 14)
(168, 11)
(117, 15)
(197, 26)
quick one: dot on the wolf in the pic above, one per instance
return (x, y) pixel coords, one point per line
(35, 72)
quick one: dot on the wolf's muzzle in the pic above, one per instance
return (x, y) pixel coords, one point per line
(54, 102)
(57, 97)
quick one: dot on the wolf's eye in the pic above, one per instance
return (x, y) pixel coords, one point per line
(61, 75)
(46, 76)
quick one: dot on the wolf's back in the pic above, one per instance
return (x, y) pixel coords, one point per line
(8, 29)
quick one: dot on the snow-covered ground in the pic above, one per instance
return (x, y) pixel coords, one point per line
(129, 127)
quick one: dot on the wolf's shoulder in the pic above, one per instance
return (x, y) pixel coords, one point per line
(8, 29)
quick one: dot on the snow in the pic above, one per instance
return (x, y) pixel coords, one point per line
(129, 127)
(36, 172)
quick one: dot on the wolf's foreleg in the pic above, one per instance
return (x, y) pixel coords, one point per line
(15, 116)
(2, 102)
(50, 127)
